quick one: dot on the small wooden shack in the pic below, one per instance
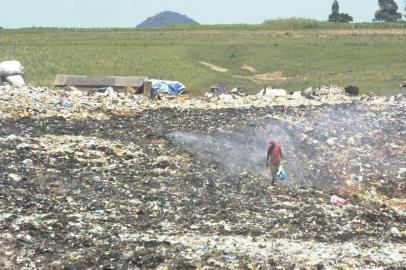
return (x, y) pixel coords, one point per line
(93, 83)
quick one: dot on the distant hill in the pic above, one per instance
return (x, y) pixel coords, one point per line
(166, 18)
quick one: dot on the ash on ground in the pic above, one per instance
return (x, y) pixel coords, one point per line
(100, 183)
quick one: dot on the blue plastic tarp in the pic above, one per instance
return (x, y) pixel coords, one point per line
(172, 88)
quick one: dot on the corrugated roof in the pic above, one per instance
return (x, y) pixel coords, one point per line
(130, 81)
(93, 81)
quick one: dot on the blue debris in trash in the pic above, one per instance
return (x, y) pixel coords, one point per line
(282, 174)
(218, 88)
(229, 258)
(204, 248)
(99, 211)
(354, 178)
(321, 248)
(68, 105)
(172, 88)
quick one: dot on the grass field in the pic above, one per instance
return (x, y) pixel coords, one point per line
(372, 58)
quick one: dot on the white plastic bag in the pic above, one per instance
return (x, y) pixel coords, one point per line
(11, 67)
(272, 92)
(16, 80)
(110, 93)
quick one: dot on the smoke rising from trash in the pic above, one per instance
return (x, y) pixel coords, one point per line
(241, 154)
(326, 148)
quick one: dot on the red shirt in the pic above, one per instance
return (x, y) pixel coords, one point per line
(275, 156)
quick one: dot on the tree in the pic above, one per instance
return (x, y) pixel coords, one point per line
(344, 18)
(405, 10)
(335, 8)
(388, 11)
(336, 16)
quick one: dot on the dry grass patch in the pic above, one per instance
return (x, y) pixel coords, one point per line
(249, 68)
(214, 67)
(276, 76)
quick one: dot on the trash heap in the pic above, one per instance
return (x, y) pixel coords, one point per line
(267, 97)
(41, 102)
(11, 74)
(107, 180)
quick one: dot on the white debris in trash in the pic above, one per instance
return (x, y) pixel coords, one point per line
(272, 92)
(15, 80)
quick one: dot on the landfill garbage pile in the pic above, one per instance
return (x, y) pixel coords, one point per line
(117, 182)
(41, 102)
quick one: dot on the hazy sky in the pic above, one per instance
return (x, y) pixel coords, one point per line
(129, 13)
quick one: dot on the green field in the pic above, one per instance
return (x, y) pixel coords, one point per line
(372, 58)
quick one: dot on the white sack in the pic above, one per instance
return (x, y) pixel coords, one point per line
(11, 68)
(110, 93)
(16, 80)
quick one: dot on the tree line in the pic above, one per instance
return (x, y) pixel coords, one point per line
(387, 12)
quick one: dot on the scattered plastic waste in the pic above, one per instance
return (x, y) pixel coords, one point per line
(338, 201)
(395, 231)
(402, 173)
(99, 211)
(226, 97)
(219, 88)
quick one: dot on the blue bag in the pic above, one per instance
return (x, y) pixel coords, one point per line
(282, 174)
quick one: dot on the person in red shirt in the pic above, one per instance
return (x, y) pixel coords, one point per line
(274, 158)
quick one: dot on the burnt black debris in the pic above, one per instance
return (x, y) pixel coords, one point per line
(184, 187)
